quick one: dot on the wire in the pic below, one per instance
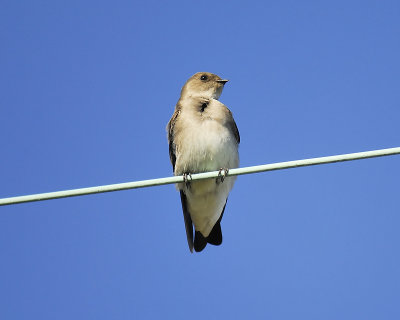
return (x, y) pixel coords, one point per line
(199, 176)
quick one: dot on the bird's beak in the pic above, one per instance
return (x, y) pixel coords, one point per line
(222, 81)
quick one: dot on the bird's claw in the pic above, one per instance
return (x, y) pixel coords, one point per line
(222, 173)
(187, 178)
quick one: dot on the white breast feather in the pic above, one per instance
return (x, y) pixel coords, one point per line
(207, 146)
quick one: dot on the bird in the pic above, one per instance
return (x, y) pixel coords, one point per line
(203, 136)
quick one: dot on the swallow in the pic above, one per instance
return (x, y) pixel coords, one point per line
(202, 137)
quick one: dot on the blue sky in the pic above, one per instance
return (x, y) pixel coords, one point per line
(87, 88)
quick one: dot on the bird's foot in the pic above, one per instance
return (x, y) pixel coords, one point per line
(187, 178)
(222, 173)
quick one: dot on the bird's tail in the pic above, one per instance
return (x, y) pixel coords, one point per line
(214, 238)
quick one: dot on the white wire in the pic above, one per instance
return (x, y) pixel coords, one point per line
(199, 176)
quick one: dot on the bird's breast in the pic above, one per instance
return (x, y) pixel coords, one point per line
(206, 145)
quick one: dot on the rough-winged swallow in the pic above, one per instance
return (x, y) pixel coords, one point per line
(203, 136)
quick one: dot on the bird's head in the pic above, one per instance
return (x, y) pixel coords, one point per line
(203, 84)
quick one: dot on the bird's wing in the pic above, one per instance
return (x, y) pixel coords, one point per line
(188, 221)
(170, 132)
(172, 156)
(233, 127)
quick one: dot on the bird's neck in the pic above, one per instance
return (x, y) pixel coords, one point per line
(211, 94)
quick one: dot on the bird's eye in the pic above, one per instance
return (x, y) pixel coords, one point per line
(203, 77)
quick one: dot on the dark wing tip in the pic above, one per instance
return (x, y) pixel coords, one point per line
(188, 221)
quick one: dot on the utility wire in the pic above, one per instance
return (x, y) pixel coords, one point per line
(200, 176)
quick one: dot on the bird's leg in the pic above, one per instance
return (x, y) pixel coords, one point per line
(187, 178)
(222, 173)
